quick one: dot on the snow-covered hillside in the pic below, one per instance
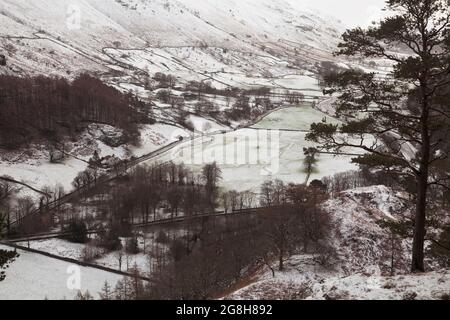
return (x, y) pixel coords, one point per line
(190, 36)
(362, 258)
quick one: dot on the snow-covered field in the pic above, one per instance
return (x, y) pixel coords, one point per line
(66, 249)
(203, 125)
(294, 118)
(249, 157)
(42, 173)
(36, 277)
(299, 82)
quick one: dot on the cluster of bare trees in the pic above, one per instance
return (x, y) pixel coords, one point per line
(234, 200)
(246, 104)
(201, 88)
(272, 193)
(203, 258)
(6, 191)
(166, 96)
(50, 108)
(150, 191)
(16, 213)
(204, 106)
(218, 252)
(243, 108)
(25, 220)
(294, 97)
(164, 80)
(143, 194)
(86, 178)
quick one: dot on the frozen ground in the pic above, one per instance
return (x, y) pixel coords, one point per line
(36, 277)
(321, 286)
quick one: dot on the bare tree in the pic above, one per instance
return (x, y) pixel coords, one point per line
(211, 175)
(119, 254)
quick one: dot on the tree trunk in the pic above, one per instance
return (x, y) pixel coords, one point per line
(392, 255)
(8, 224)
(419, 227)
(281, 261)
(417, 263)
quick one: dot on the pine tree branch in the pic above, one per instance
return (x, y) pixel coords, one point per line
(338, 146)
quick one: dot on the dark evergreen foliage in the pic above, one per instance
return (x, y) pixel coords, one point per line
(407, 113)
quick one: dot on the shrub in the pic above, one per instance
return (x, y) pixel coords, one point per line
(91, 253)
(132, 245)
(445, 296)
(162, 237)
(109, 239)
(78, 232)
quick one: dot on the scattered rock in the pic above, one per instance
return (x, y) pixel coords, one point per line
(2, 60)
(56, 156)
(389, 285)
(409, 295)
(336, 294)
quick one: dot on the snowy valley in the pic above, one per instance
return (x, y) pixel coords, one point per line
(187, 149)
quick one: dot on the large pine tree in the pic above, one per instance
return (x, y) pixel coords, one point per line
(401, 120)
